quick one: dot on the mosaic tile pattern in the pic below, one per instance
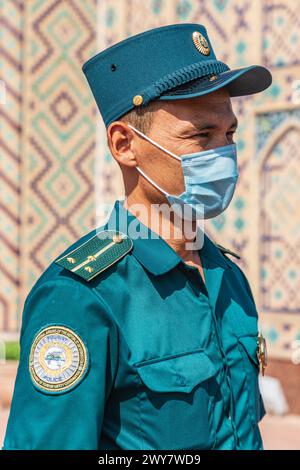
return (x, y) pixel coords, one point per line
(11, 129)
(47, 140)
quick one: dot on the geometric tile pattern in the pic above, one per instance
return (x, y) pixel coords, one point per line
(278, 146)
(280, 225)
(60, 130)
(281, 25)
(49, 139)
(11, 131)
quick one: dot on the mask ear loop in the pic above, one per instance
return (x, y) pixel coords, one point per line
(152, 182)
(154, 143)
(163, 149)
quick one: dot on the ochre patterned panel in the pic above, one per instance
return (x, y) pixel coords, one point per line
(280, 226)
(60, 142)
(48, 139)
(278, 149)
(11, 132)
(281, 25)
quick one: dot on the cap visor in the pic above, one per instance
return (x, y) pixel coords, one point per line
(239, 82)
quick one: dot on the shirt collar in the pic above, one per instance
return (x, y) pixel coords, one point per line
(211, 252)
(154, 253)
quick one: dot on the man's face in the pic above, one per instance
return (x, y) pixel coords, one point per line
(183, 127)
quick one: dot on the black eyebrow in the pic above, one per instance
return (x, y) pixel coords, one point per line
(201, 126)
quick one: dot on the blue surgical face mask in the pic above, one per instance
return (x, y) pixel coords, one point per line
(210, 178)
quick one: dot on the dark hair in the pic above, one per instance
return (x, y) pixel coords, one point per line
(141, 117)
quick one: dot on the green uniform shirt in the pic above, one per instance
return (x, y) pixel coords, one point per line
(165, 362)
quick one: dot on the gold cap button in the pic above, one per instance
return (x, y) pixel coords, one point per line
(137, 100)
(117, 239)
(71, 260)
(212, 78)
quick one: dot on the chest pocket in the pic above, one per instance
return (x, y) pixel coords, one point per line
(176, 401)
(248, 350)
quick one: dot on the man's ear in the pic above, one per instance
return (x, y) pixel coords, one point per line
(120, 139)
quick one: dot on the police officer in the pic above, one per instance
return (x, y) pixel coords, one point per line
(140, 342)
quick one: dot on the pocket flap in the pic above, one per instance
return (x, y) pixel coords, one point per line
(249, 343)
(177, 373)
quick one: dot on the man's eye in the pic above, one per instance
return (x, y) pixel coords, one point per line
(203, 135)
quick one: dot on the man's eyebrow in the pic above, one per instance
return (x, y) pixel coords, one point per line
(200, 125)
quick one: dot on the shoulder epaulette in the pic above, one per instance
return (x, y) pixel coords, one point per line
(225, 250)
(96, 254)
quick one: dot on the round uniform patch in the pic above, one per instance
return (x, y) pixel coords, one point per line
(58, 359)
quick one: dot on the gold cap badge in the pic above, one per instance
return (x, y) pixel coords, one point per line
(200, 43)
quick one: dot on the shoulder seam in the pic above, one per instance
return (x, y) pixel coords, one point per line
(226, 250)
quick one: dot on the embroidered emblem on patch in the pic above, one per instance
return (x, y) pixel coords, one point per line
(58, 359)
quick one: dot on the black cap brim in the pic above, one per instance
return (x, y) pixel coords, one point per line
(239, 82)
